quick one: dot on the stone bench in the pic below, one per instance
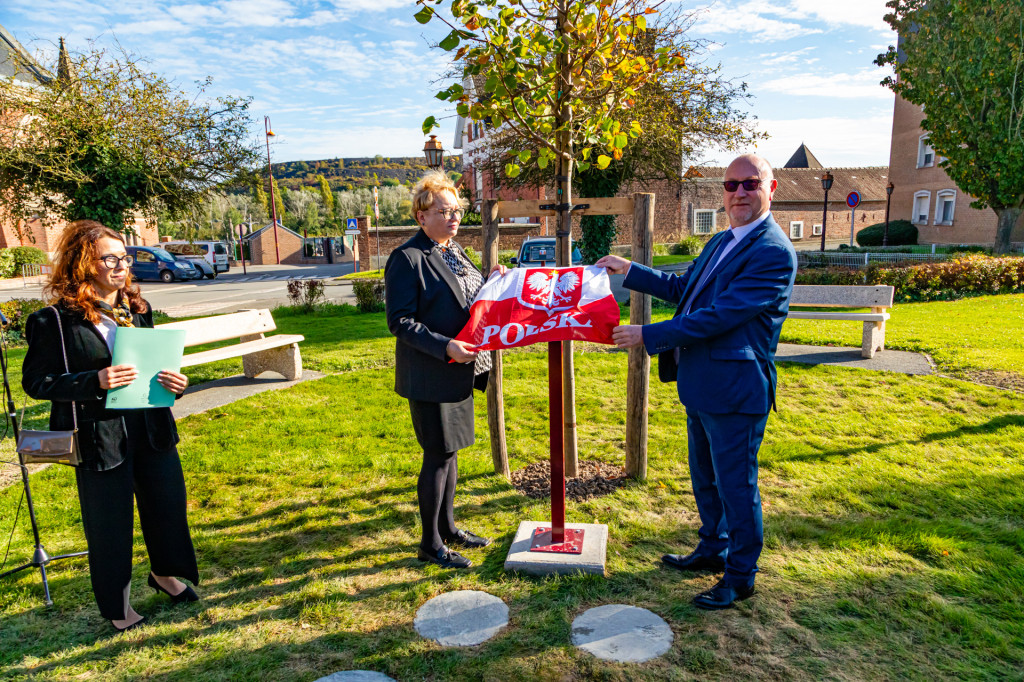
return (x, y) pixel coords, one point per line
(877, 298)
(260, 353)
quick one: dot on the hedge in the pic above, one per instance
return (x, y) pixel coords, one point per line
(901, 233)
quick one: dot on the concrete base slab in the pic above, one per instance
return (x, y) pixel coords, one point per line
(463, 618)
(356, 676)
(621, 633)
(592, 560)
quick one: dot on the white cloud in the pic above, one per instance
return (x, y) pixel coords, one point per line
(837, 141)
(751, 21)
(317, 143)
(781, 58)
(861, 85)
(866, 13)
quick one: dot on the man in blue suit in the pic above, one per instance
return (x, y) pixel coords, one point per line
(720, 349)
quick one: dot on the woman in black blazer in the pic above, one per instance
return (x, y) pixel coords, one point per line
(124, 453)
(429, 285)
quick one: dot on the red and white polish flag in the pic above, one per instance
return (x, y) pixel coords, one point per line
(534, 305)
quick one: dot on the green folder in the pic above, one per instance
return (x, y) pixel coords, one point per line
(151, 351)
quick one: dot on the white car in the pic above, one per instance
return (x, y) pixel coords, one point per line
(214, 253)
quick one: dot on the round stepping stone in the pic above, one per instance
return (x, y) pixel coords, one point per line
(356, 676)
(621, 633)
(463, 618)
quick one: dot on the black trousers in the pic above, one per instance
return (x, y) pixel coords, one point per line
(155, 480)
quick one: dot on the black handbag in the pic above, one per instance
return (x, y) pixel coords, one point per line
(51, 447)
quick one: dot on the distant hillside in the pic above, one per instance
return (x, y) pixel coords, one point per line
(352, 173)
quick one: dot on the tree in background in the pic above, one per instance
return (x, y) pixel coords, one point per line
(110, 138)
(963, 62)
(278, 200)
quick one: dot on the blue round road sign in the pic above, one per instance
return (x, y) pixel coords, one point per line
(853, 199)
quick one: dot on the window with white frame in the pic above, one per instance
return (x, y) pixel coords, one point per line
(945, 207)
(703, 221)
(796, 229)
(925, 153)
(921, 202)
(816, 230)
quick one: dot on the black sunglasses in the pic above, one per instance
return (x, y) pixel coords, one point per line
(749, 185)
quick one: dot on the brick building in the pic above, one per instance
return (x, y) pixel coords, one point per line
(263, 248)
(926, 196)
(24, 77)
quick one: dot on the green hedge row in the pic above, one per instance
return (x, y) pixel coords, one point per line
(13, 258)
(966, 276)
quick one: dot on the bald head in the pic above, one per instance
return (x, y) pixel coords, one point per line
(742, 205)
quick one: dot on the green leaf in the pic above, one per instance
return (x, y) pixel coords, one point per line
(641, 22)
(511, 170)
(542, 162)
(462, 109)
(442, 95)
(450, 42)
(491, 84)
(429, 123)
(524, 156)
(603, 161)
(583, 166)
(424, 15)
(621, 140)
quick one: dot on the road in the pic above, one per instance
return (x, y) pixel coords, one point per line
(263, 286)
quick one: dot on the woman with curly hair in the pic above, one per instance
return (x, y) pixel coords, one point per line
(124, 453)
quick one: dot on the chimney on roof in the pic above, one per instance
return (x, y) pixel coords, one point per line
(803, 158)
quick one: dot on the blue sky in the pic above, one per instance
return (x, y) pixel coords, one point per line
(357, 77)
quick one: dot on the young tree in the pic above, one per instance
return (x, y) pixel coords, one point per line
(963, 61)
(109, 138)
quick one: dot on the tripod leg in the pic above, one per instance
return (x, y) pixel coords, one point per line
(46, 587)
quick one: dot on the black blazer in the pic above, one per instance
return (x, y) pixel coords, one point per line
(426, 309)
(102, 438)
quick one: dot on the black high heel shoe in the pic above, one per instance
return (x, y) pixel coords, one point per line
(186, 595)
(134, 625)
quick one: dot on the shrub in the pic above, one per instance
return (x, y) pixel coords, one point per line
(306, 294)
(660, 249)
(505, 257)
(970, 275)
(27, 254)
(901, 232)
(473, 256)
(369, 294)
(17, 311)
(690, 246)
(830, 276)
(7, 264)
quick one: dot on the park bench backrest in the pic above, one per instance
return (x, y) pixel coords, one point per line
(842, 296)
(222, 327)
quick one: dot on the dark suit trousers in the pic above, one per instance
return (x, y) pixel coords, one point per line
(723, 468)
(154, 478)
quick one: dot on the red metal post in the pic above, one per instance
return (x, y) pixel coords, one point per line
(557, 454)
(241, 247)
(273, 202)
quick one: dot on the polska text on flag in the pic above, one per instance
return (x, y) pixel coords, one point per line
(534, 305)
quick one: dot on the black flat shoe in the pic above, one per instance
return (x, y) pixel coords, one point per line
(134, 625)
(694, 562)
(445, 558)
(721, 596)
(186, 595)
(463, 538)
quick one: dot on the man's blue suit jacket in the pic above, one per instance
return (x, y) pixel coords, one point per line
(727, 343)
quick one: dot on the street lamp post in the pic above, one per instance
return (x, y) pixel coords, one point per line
(434, 153)
(888, 200)
(273, 201)
(826, 184)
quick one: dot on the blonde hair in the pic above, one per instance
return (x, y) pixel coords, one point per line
(429, 187)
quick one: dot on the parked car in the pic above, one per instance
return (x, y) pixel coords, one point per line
(215, 253)
(152, 262)
(199, 263)
(539, 252)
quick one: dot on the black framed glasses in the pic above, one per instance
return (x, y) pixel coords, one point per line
(455, 213)
(111, 261)
(749, 185)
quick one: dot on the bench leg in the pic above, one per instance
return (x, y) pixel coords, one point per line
(285, 360)
(873, 339)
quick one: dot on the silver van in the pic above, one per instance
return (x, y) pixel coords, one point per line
(214, 253)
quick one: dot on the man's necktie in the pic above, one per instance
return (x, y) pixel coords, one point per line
(708, 270)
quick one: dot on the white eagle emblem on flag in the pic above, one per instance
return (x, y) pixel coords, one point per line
(552, 289)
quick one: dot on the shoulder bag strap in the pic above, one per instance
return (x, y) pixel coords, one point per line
(67, 368)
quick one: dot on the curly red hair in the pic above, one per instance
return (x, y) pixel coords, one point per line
(74, 268)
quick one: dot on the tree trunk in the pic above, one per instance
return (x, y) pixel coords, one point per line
(1007, 220)
(563, 241)
(639, 374)
(495, 394)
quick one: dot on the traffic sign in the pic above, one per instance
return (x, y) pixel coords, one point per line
(376, 209)
(351, 224)
(853, 199)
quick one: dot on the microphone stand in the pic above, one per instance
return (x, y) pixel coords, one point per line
(39, 557)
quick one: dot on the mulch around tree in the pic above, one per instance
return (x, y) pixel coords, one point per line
(595, 479)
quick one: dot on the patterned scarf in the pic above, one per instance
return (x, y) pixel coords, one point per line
(121, 314)
(471, 282)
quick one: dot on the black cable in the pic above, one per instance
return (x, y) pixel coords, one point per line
(13, 526)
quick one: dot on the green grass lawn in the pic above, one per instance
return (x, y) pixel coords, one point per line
(671, 260)
(893, 521)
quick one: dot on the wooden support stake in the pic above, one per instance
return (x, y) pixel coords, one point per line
(495, 395)
(639, 373)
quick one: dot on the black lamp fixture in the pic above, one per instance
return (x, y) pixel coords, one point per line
(888, 199)
(434, 153)
(826, 184)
